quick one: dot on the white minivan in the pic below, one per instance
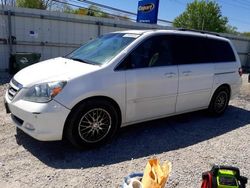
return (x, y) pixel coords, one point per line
(123, 78)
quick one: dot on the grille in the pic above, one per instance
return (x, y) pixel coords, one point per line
(14, 88)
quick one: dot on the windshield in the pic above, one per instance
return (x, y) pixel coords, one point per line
(101, 50)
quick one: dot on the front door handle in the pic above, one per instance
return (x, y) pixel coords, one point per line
(170, 74)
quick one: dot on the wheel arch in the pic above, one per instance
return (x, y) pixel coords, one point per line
(99, 97)
(225, 85)
(211, 109)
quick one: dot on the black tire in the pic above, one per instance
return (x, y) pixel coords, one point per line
(219, 101)
(76, 127)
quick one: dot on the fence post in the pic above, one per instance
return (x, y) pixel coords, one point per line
(10, 32)
(248, 58)
(99, 24)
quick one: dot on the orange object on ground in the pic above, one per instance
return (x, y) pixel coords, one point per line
(156, 176)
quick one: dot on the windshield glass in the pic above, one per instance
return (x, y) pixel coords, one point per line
(101, 50)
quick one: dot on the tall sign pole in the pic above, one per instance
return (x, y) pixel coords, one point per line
(148, 11)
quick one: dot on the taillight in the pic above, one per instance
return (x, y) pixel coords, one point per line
(240, 71)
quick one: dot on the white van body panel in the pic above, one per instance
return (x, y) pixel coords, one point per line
(151, 92)
(195, 86)
(53, 70)
(95, 85)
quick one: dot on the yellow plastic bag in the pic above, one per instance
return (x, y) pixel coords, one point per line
(156, 176)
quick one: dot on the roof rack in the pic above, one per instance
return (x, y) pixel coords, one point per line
(198, 31)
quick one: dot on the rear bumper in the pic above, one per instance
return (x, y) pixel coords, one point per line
(42, 121)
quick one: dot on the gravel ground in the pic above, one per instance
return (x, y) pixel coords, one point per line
(192, 142)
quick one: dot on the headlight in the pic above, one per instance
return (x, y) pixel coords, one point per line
(44, 92)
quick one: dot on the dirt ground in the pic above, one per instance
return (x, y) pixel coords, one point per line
(192, 142)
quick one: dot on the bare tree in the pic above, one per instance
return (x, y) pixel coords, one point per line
(56, 5)
(8, 2)
(48, 4)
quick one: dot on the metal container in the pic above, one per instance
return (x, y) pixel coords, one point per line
(21, 60)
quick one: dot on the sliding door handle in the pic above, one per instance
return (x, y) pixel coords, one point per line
(186, 73)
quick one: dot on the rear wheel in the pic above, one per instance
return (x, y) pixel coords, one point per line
(219, 102)
(92, 124)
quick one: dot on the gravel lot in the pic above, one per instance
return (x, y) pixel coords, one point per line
(192, 142)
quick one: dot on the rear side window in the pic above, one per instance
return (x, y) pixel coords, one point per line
(190, 50)
(220, 51)
(178, 50)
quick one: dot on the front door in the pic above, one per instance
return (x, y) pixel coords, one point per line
(151, 80)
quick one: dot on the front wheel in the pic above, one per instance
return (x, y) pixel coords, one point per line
(219, 102)
(92, 124)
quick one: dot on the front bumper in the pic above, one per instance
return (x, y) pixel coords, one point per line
(42, 121)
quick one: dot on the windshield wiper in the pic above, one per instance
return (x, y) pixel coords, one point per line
(83, 61)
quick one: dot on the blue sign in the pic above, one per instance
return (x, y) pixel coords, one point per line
(148, 11)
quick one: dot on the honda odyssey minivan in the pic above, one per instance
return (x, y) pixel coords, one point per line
(120, 79)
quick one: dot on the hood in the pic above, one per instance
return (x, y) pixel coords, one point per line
(53, 70)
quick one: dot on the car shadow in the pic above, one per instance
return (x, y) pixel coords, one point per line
(139, 140)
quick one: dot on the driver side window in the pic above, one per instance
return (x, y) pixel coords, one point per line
(153, 52)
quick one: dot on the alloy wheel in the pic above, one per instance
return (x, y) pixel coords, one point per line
(94, 125)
